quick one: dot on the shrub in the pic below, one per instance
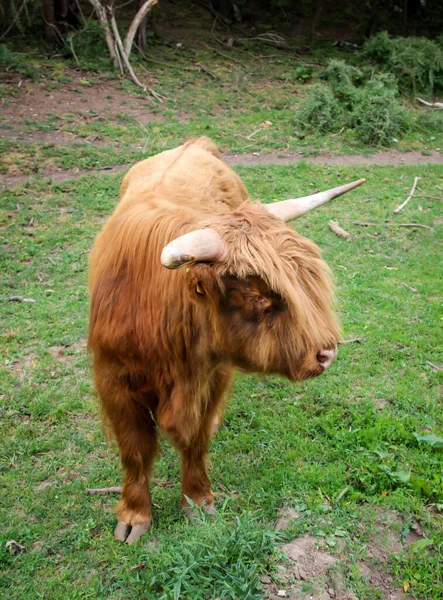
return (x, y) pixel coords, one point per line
(429, 121)
(320, 110)
(378, 117)
(416, 62)
(342, 78)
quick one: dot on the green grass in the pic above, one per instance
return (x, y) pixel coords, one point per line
(338, 448)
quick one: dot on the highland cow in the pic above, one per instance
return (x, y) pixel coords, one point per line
(253, 295)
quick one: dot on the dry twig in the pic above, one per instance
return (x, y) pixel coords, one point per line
(435, 368)
(335, 227)
(410, 225)
(403, 204)
(413, 289)
(18, 299)
(108, 490)
(354, 341)
(391, 224)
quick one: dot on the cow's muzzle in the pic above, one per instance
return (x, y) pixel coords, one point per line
(325, 358)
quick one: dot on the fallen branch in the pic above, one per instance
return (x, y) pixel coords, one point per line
(409, 225)
(403, 204)
(430, 104)
(267, 38)
(354, 341)
(18, 299)
(365, 224)
(335, 227)
(390, 224)
(108, 490)
(435, 368)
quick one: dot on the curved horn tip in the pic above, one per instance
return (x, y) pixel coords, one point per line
(172, 258)
(203, 245)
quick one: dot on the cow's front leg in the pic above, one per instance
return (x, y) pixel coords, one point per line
(137, 440)
(195, 480)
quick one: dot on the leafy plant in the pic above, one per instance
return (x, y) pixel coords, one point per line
(342, 78)
(221, 561)
(320, 110)
(377, 116)
(416, 62)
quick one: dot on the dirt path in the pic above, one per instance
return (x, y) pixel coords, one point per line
(389, 157)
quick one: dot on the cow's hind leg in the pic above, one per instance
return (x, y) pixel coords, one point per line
(195, 480)
(136, 436)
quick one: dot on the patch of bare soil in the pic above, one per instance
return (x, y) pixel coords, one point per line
(22, 367)
(314, 573)
(38, 101)
(69, 352)
(385, 157)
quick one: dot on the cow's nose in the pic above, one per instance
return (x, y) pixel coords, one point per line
(326, 357)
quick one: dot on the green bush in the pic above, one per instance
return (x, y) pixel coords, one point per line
(416, 62)
(320, 110)
(342, 78)
(429, 121)
(378, 117)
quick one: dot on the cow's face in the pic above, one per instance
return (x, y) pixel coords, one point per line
(261, 333)
(292, 332)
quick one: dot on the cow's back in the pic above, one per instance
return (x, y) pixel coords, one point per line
(191, 175)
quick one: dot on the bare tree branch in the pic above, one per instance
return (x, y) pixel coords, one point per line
(122, 52)
(101, 13)
(143, 11)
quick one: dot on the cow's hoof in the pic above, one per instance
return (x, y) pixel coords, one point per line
(130, 534)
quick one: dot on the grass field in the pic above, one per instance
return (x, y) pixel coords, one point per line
(341, 450)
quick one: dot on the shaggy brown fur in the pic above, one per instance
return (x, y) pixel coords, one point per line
(165, 342)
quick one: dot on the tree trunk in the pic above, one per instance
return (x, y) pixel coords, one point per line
(314, 24)
(50, 30)
(61, 10)
(141, 33)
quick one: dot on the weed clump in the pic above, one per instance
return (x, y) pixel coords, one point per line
(320, 110)
(222, 561)
(377, 116)
(415, 62)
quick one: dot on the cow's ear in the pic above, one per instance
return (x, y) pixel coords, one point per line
(201, 282)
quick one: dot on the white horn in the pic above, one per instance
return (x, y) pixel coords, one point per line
(287, 210)
(201, 245)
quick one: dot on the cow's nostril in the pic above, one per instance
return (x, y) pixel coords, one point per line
(326, 357)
